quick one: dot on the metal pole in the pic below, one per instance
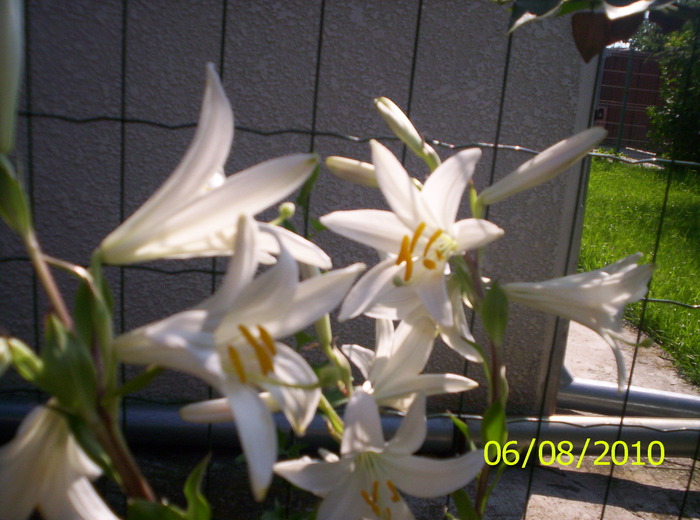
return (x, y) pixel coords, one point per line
(149, 424)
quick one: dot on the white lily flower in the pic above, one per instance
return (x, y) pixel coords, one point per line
(392, 372)
(11, 67)
(401, 304)
(595, 299)
(417, 238)
(229, 341)
(195, 211)
(544, 166)
(364, 482)
(44, 468)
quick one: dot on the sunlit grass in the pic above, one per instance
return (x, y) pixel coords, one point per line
(623, 209)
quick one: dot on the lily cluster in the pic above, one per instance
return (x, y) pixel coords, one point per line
(428, 278)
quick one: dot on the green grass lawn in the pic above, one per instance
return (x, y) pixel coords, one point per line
(622, 216)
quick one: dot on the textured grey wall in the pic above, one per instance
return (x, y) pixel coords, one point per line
(86, 60)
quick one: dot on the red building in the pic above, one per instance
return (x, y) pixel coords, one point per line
(629, 85)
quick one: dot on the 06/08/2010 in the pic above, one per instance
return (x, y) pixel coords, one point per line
(548, 453)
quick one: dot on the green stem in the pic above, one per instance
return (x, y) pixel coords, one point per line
(333, 417)
(47, 280)
(110, 437)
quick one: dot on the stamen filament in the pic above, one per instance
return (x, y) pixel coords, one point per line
(237, 365)
(395, 497)
(416, 235)
(409, 269)
(431, 241)
(404, 253)
(262, 355)
(267, 340)
(371, 503)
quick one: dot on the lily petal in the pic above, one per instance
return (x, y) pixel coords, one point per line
(317, 476)
(413, 429)
(445, 186)
(363, 429)
(313, 298)
(361, 357)
(398, 189)
(299, 248)
(412, 345)
(379, 229)
(544, 166)
(204, 227)
(429, 384)
(432, 291)
(204, 158)
(241, 269)
(370, 286)
(473, 233)
(438, 476)
(257, 435)
(298, 405)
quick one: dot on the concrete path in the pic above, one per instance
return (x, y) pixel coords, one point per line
(633, 492)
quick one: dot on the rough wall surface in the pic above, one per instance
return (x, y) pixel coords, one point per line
(144, 61)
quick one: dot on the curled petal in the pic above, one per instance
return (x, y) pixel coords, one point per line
(438, 476)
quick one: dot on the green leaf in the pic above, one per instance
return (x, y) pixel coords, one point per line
(494, 313)
(574, 5)
(493, 426)
(140, 509)
(464, 429)
(139, 382)
(14, 207)
(69, 373)
(464, 505)
(303, 338)
(197, 506)
(316, 224)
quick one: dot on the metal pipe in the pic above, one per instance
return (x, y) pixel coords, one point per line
(150, 424)
(604, 398)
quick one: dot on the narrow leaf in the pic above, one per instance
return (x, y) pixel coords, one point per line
(464, 505)
(139, 509)
(494, 313)
(493, 427)
(197, 506)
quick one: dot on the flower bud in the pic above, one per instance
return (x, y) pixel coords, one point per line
(544, 166)
(400, 124)
(10, 68)
(352, 170)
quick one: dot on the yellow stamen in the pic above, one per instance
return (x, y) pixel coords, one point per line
(404, 253)
(263, 356)
(409, 269)
(375, 491)
(428, 263)
(370, 502)
(416, 235)
(267, 340)
(388, 514)
(431, 241)
(395, 497)
(237, 365)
